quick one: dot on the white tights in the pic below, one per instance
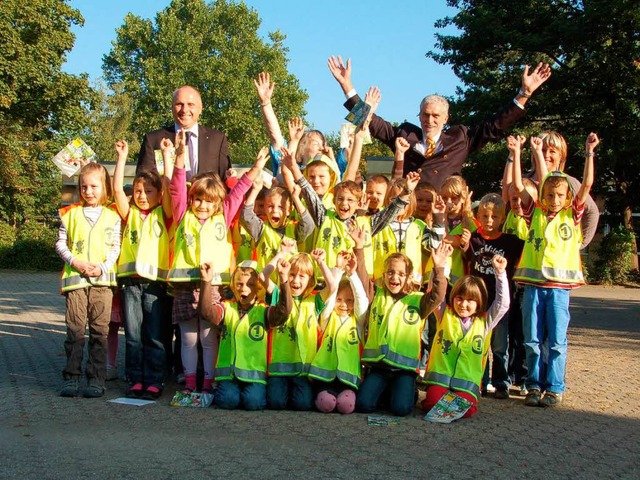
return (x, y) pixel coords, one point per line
(208, 339)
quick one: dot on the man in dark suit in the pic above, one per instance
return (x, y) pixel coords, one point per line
(436, 151)
(209, 150)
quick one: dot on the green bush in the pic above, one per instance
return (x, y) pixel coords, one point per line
(33, 249)
(614, 263)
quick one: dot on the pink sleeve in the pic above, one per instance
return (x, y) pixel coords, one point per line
(234, 199)
(178, 191)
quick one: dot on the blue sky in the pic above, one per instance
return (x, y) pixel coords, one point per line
(386, 41)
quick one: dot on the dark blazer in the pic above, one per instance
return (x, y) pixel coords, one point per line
(457, 141)
(213, 149)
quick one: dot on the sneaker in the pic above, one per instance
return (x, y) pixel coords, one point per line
(70, 387)
(551, 399)
(93, 390)
(112, 373)
(501, 393)
(533, 398)
(523, 390)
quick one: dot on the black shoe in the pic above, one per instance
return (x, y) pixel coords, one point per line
(93, 390)
(501, 393)
(533, 398)
(71, 387)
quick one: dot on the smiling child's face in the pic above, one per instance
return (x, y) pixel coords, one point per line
(277, 209)
(245, 287)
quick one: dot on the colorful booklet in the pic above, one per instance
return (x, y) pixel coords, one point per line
(347, 130)
(358, 113)
(71, 158)
(449, 408)
(194, 399)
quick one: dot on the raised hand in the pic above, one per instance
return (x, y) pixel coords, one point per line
(465, 237)
(296, 129)
(373, 98)
(257, 183)
(358, 236)
(318, 254)
(402, 145)
(283, 267)
(413, 178)
(206, 272)
(287, 246)
(296, 190)
(342, 258)
(262, 158)
(592, 142)
(287, 158)
(439, 255)
(499, 264)
(352, 264)
(340, 71)
(122, 149)
(264, 87)
(539, 75)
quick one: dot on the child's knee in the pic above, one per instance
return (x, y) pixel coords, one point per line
(254, 397)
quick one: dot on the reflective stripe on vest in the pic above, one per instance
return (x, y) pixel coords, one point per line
(242, 353)
(145, 246)
(339, 353)
(552, 250)
(293, 344)
(88, 243)
(395, 329)
(197, 243)
(457, 359)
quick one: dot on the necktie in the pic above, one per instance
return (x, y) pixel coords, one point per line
(431, 147)
(192, 172)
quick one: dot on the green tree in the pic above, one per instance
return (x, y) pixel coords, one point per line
(594, 49)
(40, 106)
(214, 47)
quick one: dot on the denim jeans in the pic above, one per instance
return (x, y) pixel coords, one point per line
(231, 394)
(146, 325)
(500, 363)
(517, 357)
(295, 392)
(401, 386)
(545, 313)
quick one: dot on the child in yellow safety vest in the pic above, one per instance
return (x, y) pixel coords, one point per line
(458, 356)
(89, 243)
(143, 267)
(293, 345)
(396, 320)
(244, 323)
(336, 366)
(204, 217)
(549, 268)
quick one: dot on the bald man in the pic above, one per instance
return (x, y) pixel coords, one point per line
(210, 149)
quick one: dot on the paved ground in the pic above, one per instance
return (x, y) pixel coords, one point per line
(595, 434)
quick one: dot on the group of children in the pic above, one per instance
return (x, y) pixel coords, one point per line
(318, 293)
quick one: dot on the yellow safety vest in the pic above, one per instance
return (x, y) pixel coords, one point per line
(456, 258)
(88, 243)
(197, 243)
(552, 250)
(145, 246)
(243, 244)
(395, 327)
(385, 243)
(515, 225)
(269, 244)
(293, 344)
(457, 360)
(339, 353)
(243, 345)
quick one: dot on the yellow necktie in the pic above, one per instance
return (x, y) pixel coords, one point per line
(431, 147)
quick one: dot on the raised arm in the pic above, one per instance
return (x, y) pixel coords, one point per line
(513, 144)
(398, 160)
(264, 87)
(122, 202)
(278, 314)
(341, 72)
(372, 98)
(207, 310)
(592, 142)
(500, 304)
(331, 286)
(248, 218)
(539, 165)
(507, 175)
(436, 296)
(532, 81)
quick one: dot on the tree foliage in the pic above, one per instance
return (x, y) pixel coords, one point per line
(39, 104)
(214, 47)
(594, 49)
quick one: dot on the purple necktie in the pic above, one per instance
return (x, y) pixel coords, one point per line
(190, 147)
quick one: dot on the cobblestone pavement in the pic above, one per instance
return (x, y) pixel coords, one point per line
(594, 434)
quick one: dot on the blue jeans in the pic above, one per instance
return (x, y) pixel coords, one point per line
(295, 392)
(401, 385)
(231, 394)
(545, 314)
(499, 347)
(146, 324)
(517, 357)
